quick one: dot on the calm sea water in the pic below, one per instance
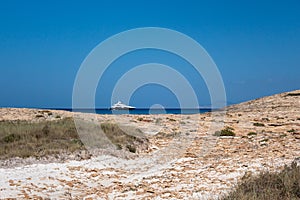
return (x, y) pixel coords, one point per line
(142, 111)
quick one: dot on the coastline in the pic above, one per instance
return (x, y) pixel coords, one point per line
(270, 146)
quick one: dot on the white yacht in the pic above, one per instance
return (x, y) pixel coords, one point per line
(120, 106)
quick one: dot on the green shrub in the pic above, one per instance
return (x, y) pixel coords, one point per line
(140, 119)
(291, 131)
(251, 133)
(228, 131)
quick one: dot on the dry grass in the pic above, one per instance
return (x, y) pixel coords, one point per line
(284, 185)
(24, 139)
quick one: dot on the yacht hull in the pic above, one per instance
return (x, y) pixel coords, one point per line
(122, 108)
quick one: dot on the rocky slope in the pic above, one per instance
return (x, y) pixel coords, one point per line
(184, 161)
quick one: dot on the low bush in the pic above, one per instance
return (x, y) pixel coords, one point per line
(252, 133)
(228, 131)
(283, 185)
(140, 119)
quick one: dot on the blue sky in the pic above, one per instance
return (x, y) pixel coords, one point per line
(256, 46)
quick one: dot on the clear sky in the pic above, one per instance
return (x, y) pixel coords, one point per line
(255, 44)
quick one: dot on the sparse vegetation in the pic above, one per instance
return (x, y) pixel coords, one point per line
(228, 131)
(24, 139)
(291, 131)
(171, 119)
(284, 185)
(258, 124)
(125, 138)
(167, 135)
(11, 138)
(140, 119)
(251, 133)
(283, 135)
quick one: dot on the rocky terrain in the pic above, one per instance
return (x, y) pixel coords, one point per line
(185, 158)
